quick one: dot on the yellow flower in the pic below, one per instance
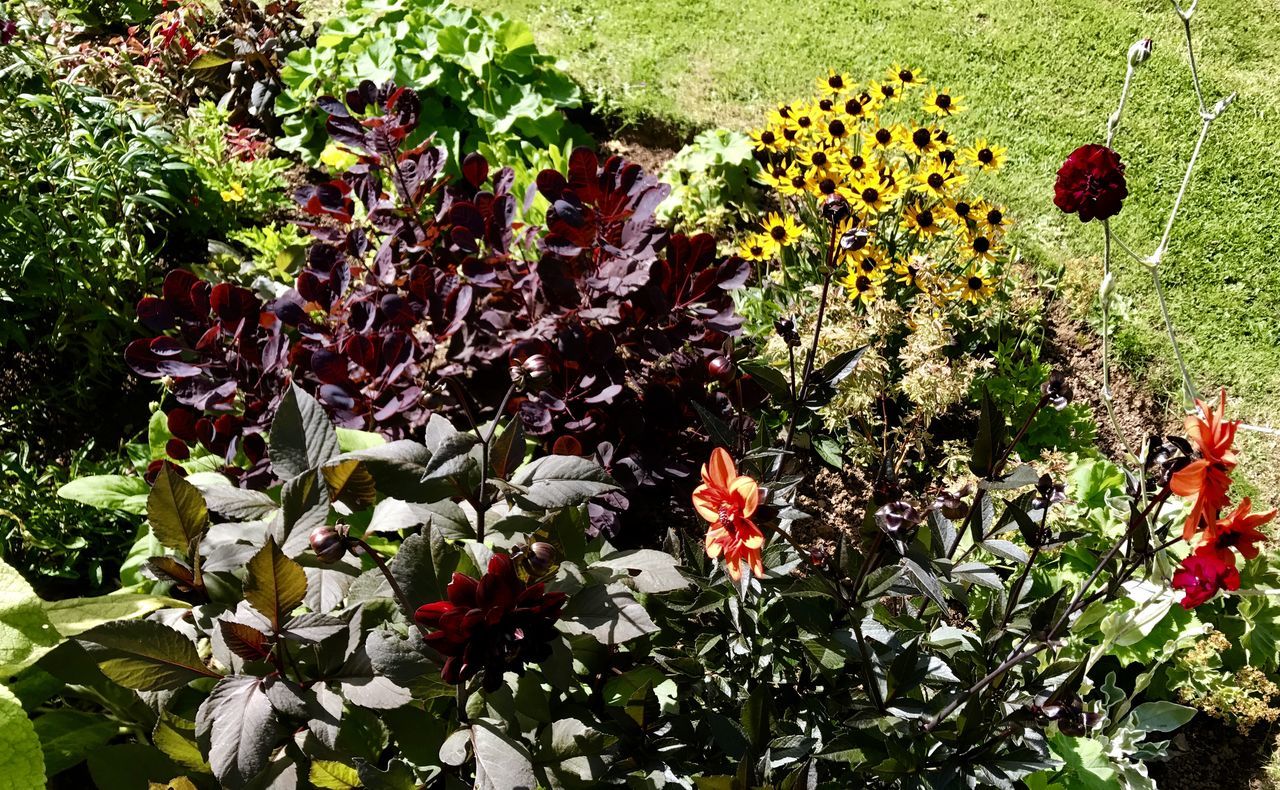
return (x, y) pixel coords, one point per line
(234, 193)
(978, 247)
(963, 211)
(905, 75)
(913, 272)
(757, 247)
(942, 102)
(985, 156)
(939, 180)
(805, 119)
(871, 195)
(887, 91)
(992, 220)
(884, 138)
(781, 115)
(837, 129)
(872, 261)
(921, 220)
(823, 183)
(835, 83)
(923, 140)
(865, 288)
(856, 106)
(768, 139)
(794, 182)
(337, 158)
(816, 157)
(784, 231)
(973, 287)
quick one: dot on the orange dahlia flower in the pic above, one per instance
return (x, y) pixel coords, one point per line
(1240, 530)
(727, 500)
(1206, 479)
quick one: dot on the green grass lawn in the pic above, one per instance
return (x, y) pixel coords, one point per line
(1040, 77)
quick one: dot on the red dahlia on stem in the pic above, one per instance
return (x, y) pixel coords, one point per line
(1091, 183)
(1201, 576)
(490, 626)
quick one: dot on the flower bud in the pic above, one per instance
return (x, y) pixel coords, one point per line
(328, 544)
(786, 329)
(952, 503)
(1048, 493)
(531, 373)
(542, 558)
(1057, 389)
(1140, 51)
(721, 369)
(835, 208)
(899, 519)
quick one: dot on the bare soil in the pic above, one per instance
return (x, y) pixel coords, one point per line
(1211, 754)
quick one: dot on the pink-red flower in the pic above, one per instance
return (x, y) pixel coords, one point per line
(1091, 183)
(491, 626)
(1207, 478)
(1201, 576)
(727, 500)
(1239, 531)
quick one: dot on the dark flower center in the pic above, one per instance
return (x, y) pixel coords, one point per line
(790, 134)
(768, 137)
(826, 186)
(835, 81)
(943, 101)
(887, 91)
(936, 180)
(921, 137)
(853, 107)
(975, 283)
(836, 128)
(863, 283)
(797, 182)
(819, 158)
(757, 250)
(995, 216)
(986, 156)
(857, 162)
(906, 76)
(804, 122)
(947, 157)
(942, 136)
(778, 232)
(785, 111)
(962, 209)
(884, 136)
(981, 244)
(825, 105)
(925, 219)
(870, 195)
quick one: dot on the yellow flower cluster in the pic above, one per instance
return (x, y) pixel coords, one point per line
(913, 227)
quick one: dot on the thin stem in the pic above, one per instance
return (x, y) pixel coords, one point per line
(391, 580)
(1185, 16)
(817, 334)
(1005, 666)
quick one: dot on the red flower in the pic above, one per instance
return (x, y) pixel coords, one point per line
(727, 500)
(493, 625)
(1201, 576)
(1238, 530)
(1091, 183)
(1207, 477)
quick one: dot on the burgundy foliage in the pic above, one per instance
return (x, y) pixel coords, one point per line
(413, 278)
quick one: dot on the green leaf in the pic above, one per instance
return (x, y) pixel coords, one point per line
(25, 630)
(1087, 766)
(74, 616)
(68, 736)
(558, 481)
(144, 655)
(501, 763)
(176, 511)
(648, 570)
(350, 440)
(21, 759)
(275, 584)
(1160, 716)
(176, 737)
(610, 614)
(302, 436)
(109, 492)
(209, 60)
(332, 775)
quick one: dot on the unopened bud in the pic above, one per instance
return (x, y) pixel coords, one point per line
(1106, 289)
(1057, 389)
(542, 558)
(720, 368)
(328, 544)
(835, 208)
(1140, 51)
(899, 519)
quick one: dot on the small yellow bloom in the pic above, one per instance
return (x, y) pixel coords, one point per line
(234, 194)
(924, 140)
(942, 102)
(865, 288)
(757, 247)
(963, 210)
(805, 119)
(978, 247)
(337, 158)
(985, 156)
(835, 83)
(784, 231)
(794, 181)
(885, 138)
(923, 221)
(768, 139)
(872, 261)
(887, 91)
(938, 179)
(973, 287)
(824, 183)
(905, 75)
(992, 220)
(913, 272)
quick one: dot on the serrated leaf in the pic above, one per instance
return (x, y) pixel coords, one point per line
(558, 481)
(176, 737)
(238, 728)
(501, 763)
(275, 585)
(332, 775)
(245, 641)
(176, 511)
(508, 450)
(649, 571)
(26, 633)
(145, 655)
(925, 581)
(302, 436)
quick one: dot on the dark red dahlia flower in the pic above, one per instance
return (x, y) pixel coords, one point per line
(1091, 183)
(493, 625)
(1201, 576)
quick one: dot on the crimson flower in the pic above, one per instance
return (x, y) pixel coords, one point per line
(1240, 530)
(1091, 183)
(491, 626)
(1201, 576)
(1206, 478)
(727, 500)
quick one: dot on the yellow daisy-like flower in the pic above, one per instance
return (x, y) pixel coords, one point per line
(905, 75)
(921, 220)
(985, 156)
(805, 119)
(837, 129)
(973, 287)
(887, 91)
(938, 179)
(768, 139)
(871, 195)
(827, 104)
(856, 106)
(978, 247)
(816, 157)
(865, 288)
(963, 210)
(884, 138)
(835, 83)
(794, 183)
(923, 140)
(857, 166)
(781, 115)
(757, 247)
(784, 231)
(992, 220)
(824, 183)
(913, 272)
(872, 261)
(942, 102)
(773, 175)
